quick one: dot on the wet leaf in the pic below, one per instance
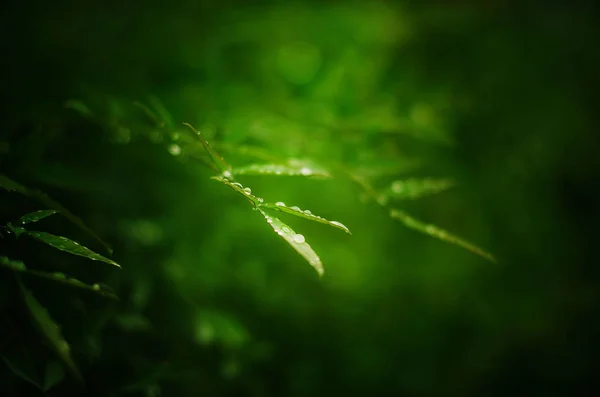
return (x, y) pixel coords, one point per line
(49, 330)
(297, 241)
(218, 160)
(10, 185)
(414, 188)
(306, 214)
(438, 233)
(70, 246)
(244, 191)
(281, 170)
(36, 216)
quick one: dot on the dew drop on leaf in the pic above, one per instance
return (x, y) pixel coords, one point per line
(174, 149)
(247, 190)
(280, 204)
(299, 238)
(285, 229)
(305, 171)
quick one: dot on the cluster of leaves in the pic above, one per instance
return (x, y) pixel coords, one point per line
(44, 371)
(196, 146)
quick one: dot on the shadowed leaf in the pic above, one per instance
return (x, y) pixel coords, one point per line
(36, 216)
(70, 246)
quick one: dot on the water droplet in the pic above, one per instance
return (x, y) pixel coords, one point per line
(96, 287)
(307, 212)
(227, 174)
(238, 185)
(280, 204)
(305, 171)
(286, 229)
(299, 238)
(247, 190)
(269, 221)
(280, 232)
(340, 225)
(295, 208)
(174, 149)
(261, 200)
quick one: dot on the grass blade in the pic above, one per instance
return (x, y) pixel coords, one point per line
(297, 241)
(306, 214)
(244, 191)
(438, 233)
(36, 216)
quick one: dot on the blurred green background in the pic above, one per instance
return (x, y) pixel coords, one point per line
(500, 97)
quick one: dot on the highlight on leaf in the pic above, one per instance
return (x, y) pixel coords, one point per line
(297, 241)
(438, 233)
(36, 216)
(418, 187)
(306, 214)
(70, 246)
(281, 170)
(238, 187)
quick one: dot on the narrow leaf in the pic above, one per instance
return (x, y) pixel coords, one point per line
(70, 246)
(297, 241)
(414, 188)
(280, 170)
(17, 358)
(306, 214)
(10, 185)
(50, 330)
(36, 216)
(244, 191)
(219, 161)
(438, 233)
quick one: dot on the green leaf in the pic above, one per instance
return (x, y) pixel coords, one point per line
(306, 214)
(218, 160)
(36, 216)
(414, 188)
(12, 264)
(244, 191)
(79, 107)
(49, 330)
(438, 233)
(281, 170)
(297, 241)
(10, 185)
(70, 246)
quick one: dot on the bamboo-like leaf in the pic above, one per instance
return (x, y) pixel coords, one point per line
(281, 170)
(70, 246)
(306, 214)
(297, 241)
(36, 216)
(244, 191)
(218, 160)
(50, 330)
(438, 233)
(10, 185)
(414, 188)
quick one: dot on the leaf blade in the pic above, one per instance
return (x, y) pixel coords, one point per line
(36, 216)
(64, 244)
(296, 241)
(413, 188)
(244, 191)
(439, 233)
(306, 214)
(217, 159)
(49, 329)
